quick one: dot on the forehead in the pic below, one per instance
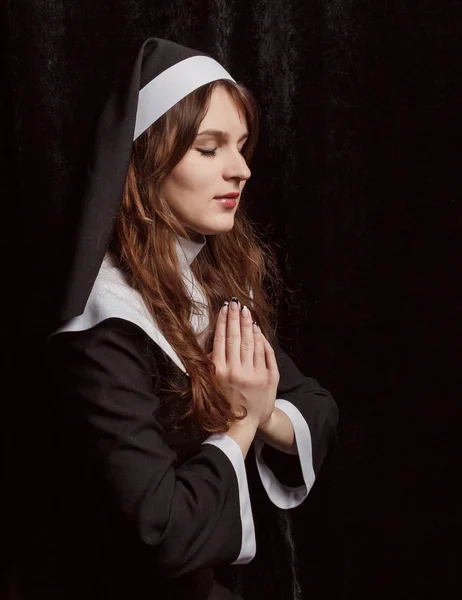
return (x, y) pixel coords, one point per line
(224, 113)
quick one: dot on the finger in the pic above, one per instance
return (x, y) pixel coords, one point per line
(270, 357)
(233, 334)
(219, 340)
(259, 361)
(246, 337)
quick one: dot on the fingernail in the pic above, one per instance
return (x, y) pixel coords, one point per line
(224, 308)
(245, 311)
(234, 303)
(254, 326)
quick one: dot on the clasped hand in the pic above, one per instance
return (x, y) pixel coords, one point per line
(245, 363)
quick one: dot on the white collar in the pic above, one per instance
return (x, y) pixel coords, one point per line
(187, 250)
(111, 296)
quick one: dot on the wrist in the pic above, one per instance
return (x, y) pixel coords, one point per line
(243, 432)
(248, 424)
(270, 424)
(278, 432)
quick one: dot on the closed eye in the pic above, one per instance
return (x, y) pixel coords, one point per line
(207, 152)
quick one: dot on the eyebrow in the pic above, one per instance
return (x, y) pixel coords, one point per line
(220, 134)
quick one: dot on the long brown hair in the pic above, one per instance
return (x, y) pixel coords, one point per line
(230, 264)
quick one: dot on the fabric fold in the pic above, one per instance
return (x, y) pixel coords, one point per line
(233, 451)
(280, 494)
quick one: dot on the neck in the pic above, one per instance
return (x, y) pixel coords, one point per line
(195, 236)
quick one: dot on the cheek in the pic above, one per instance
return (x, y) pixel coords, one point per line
(187, 179)
(194, 175)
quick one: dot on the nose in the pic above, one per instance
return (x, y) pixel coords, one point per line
(236, 167)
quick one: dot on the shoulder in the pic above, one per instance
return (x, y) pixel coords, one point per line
(109, 345)
(113, 355)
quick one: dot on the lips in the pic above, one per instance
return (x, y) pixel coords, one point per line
(227, 202)
(230, 195)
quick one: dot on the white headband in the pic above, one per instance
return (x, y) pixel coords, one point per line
(172, 85)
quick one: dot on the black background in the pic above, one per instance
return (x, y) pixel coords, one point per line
(355, 181)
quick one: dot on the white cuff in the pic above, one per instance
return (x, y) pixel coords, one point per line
(282, 495)
(233, 451)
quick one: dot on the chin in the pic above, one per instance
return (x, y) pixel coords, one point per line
(215, 229)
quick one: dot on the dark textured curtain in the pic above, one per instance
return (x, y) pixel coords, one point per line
(355, 182)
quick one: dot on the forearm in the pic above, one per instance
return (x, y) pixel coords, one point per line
(279, 433)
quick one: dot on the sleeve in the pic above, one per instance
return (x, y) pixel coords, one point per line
(193, 516)
(286, 478)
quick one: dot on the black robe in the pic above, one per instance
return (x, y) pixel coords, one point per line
(139, 509)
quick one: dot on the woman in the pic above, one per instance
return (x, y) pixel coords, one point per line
(162, 380)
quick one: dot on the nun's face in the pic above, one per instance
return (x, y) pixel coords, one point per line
(211, 169)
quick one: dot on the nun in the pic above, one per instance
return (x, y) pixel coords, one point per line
(175, 416)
